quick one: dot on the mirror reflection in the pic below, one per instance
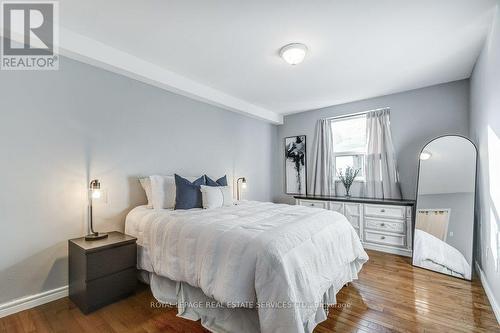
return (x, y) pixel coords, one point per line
(443, 235)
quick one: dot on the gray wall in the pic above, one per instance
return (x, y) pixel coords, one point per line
(59, 129)
(485, 131)
(417, 116)
(461, 222)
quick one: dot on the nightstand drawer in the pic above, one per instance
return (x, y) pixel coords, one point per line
(110, 288)
(109, 261)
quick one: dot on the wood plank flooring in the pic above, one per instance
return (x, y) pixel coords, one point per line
(390, 296)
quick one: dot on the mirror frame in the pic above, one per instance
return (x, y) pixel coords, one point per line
(473, 268)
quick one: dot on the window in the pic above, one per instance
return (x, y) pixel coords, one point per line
(349, 143)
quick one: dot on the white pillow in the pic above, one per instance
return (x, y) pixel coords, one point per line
(216, 196)
(163, 191)
(146, 186)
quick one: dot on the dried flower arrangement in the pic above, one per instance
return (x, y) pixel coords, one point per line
(347, 178)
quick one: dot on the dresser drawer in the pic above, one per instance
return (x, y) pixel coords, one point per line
(352, 209)
(313, 203)
(381, 238)
(383, 225)
(337, 206)
(110, 261)
(354, 220)
(385, 211)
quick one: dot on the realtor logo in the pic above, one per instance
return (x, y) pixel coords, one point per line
(30, 35)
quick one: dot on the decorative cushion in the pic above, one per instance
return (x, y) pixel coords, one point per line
(163, 191)
(146, 186)
(222, 181)
(216, 196)
(188, 194)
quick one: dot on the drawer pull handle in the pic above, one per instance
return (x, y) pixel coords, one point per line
(312, 204)
(382, 210)
(382, 237)
(382, 224)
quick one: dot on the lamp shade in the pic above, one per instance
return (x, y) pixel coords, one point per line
(95, 193)
(243, 186)
(95, 189)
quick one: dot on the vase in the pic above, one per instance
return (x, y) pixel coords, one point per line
(347, 189)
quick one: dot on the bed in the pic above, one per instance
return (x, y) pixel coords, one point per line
(251, 267)
(432, 253)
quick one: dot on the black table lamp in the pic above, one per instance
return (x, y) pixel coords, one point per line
(94, 193)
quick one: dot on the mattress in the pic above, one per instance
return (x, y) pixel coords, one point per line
(275, 265)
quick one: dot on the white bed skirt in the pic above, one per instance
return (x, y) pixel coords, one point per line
(194, 305)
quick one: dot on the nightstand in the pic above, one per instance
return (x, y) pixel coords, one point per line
(101, 271)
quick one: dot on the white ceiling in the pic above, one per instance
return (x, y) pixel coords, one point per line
(451, 168)
(229, 49)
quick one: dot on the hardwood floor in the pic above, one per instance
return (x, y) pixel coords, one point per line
(390, 296)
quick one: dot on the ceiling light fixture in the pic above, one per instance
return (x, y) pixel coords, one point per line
(425, 155)
(293, 53)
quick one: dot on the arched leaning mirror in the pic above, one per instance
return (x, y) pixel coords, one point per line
(444, 223)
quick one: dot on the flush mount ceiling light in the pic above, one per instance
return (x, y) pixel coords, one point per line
(425, 155)
(293, 53)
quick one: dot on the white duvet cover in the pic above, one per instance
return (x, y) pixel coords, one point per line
(279, 259)
(432, 253)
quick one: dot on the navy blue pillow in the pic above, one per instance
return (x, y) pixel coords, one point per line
(188, 194)
(222, 181)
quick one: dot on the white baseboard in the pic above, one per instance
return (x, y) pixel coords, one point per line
(31, 301)
(493, 302)
(388, 249)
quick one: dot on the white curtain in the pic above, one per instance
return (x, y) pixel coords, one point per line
(323, 166)
(382, 178)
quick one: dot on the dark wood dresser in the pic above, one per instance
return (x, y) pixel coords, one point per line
(101, 271)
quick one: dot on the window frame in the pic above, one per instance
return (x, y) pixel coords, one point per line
(362, 177)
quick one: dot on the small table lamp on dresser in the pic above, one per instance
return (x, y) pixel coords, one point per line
(101, 271)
